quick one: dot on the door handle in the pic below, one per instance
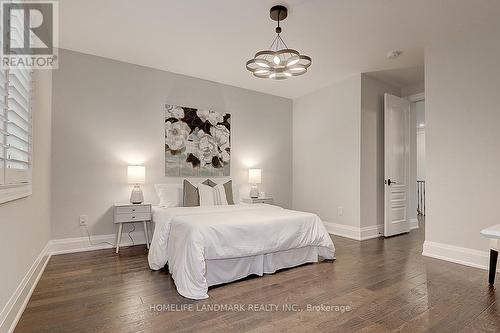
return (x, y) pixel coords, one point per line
(389, 182)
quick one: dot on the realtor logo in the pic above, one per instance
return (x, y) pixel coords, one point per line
(29, 34)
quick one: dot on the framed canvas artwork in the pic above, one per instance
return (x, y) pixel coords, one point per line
(197, 142)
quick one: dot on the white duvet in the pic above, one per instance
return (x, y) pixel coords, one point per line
(187, 236)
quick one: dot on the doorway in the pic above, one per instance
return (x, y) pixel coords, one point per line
(405, 205)
(418, 106)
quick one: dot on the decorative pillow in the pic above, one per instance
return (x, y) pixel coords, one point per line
(209, 183)
(170, 194)
(219, 193)
(206, 193)
(190, 195)
(228, 187)
(236, 194)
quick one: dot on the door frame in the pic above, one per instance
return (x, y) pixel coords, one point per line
(415, 98)
(412, 190)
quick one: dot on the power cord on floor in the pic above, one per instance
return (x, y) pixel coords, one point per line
(129, 236)
(90, 241)
(105, 242)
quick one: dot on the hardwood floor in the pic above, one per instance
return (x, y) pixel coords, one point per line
(387, 283)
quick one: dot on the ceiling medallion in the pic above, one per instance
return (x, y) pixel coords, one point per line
(278, 62)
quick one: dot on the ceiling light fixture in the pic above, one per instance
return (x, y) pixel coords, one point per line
(394, 54)
(278, 62)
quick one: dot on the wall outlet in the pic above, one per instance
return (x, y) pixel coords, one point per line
(83, 219)
(340, 210)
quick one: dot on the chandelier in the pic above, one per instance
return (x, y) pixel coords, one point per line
(278, 62)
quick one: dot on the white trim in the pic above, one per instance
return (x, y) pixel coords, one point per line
(355, 233)
(14, 308)
(14, 192)
(342, 230)
(416, 97)
(457, 254)
(413, 224)
(373, 231)
(81, 244)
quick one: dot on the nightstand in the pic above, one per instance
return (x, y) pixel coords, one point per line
(131, 213)
(266, 200)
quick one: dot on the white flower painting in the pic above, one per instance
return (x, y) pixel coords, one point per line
(197, 142)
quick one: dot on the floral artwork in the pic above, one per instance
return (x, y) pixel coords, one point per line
(197, 142)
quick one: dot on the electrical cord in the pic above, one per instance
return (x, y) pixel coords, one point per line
(105, 242)
(90, 241)
(129, 236)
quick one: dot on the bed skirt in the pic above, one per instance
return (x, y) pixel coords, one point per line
(227, 270)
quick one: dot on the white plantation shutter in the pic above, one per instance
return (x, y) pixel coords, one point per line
(15, 123)
(3, 124)
(19, 131)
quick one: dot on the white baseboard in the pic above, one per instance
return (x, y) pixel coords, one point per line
(373, 231)
(342, 230)
(81, 244)
(351, 232)
(14, 308)
(457, 254)
(413, 224)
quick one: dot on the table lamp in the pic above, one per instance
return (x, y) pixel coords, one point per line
(136, 177)
(254, 178)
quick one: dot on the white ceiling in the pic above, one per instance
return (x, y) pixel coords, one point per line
(401, 77)
(212, 39)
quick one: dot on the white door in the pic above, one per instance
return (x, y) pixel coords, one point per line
(397, 162)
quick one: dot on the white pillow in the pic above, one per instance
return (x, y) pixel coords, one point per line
(206, 195)
(236, 190)
(219, 193)
(212, 196)
(170, 194)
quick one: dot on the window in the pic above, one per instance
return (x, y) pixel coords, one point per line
(15, 124)
(15, 134)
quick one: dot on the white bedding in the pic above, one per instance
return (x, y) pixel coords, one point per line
(186, 237)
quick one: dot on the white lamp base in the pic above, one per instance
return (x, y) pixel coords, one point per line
(254, 192)
(136, 197)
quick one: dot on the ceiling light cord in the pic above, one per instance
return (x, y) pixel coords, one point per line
(278, 28)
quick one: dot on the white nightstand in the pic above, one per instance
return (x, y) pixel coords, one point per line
(131, 213)
(266, 200)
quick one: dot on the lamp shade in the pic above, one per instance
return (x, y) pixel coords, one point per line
(136, 174)
(254, 176)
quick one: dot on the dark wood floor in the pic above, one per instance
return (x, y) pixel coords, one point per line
(387, 284)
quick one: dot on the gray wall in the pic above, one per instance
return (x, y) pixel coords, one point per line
(326, 152)
(338, 151)
(463, 137)
(26, 222)
(108, 114)
(372, 149)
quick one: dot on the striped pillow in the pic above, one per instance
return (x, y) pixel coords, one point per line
(220, 198)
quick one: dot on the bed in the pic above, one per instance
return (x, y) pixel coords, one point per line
(206, 246)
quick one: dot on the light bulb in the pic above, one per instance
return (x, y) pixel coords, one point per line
(276, 60)
(292, 61)
(262, 71)
(261, 63)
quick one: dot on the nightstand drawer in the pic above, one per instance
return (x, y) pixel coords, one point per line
(261, 201)
(266, 200)
(119, 218)
(133, 209)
